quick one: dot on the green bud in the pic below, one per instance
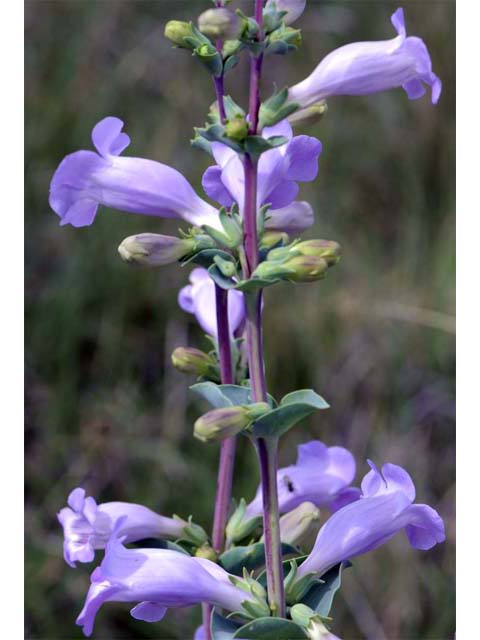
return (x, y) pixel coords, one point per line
(225, 422)
(329, 250)
(153, 249)
(237, 128)
(231, 47)
(309, 115)
(194, 533)
(220, 24)
(240, 526)
(191, 360)
(298, 524)
(311, 622)
(271, 238)
(206, 551)
(176, 31)
(288, 35)
(306, 268)
(272, 270)
(227, 267)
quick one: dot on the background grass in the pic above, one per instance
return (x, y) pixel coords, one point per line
(105, 408)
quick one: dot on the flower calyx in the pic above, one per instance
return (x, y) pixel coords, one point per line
(240, 525)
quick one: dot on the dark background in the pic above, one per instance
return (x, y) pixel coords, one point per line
(105, 408)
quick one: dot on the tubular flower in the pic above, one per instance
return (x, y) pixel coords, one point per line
(85, 179)
(157, 579)
(321, 475)
(362, 68)
(199, 298)
(279, 170)
(88, 526)
(384, 508)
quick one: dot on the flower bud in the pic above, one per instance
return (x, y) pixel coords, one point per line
(294, 8)
(190, 360)
(176, 31)
(298, 524)
(153, 249)
(306, 268)
(309, 115)
(288, 35)
(271, 238)
(329, 250)
(311, 622)
(206, 551)
(272, 270)
(237, 128)
(227, 421)
(220, 23)
(240, 525)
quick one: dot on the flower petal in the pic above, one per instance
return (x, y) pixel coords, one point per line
(426, 527)
(293, 219)
(107, 137)
(148, 612)
(214, 188)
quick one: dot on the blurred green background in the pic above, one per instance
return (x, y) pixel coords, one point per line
(104, 407)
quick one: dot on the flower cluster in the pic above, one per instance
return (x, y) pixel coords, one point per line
(240, 243)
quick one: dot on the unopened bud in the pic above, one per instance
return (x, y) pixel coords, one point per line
(153, 249)
(311, 622)
(306, 268)
(270, 239)
(271, 270)
(191, 360)
(227, 421)
(220, 23)
(237, 128)
(294, 8)
(240, 524)
(206, 551)
(176, 31)
(309, 115)
(329, 250)
(288, 35)
(298, 524)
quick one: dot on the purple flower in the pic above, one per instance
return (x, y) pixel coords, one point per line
(321, 475)
(385, 508)
(362, 68)
(85, 179)
(199, 298)
(157, 579)
(279, 170)
(88, 526)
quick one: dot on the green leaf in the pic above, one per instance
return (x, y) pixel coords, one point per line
(222, 628)
(236, 394)
(270, 629)
(320, 597)
(217, 276)
(251, 557)
(255, 145)
(293, 407)
(305, 396)
(212, 393)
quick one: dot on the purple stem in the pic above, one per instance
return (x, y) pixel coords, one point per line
(267, 457)
(227, 449)
(266, 448)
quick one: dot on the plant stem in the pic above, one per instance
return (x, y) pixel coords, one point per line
(267, 456)
(266, 448)
(227, 449)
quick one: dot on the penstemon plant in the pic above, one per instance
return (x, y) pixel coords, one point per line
(253, 575)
